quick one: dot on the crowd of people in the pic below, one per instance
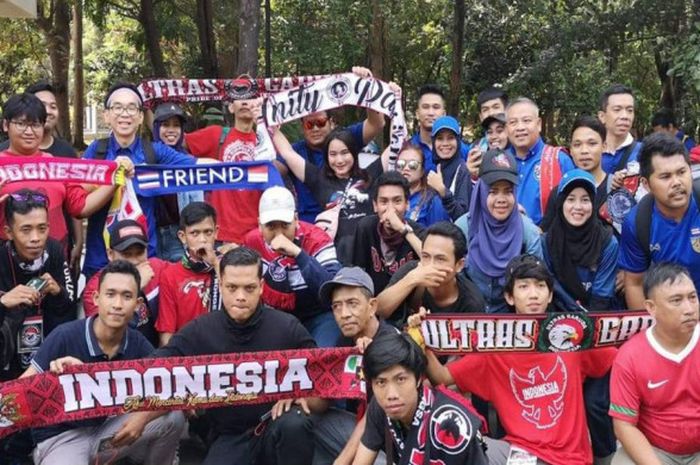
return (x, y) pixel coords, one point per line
(346, 255)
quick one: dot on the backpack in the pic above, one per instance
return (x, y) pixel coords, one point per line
(642, 223)
(103, 144)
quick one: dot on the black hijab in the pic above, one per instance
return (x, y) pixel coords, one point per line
(570, 246)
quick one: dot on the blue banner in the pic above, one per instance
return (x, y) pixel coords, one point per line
(152, 180)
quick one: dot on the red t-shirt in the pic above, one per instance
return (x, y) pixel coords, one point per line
(151, 290)
(237, 210)
(184, 295)
(539, 398)
(70, 196)
(659, 392)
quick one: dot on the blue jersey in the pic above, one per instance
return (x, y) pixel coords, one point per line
(529, 171)
(96, 255)
(426, 209)
(668, 241)
(307, 206)
(610, 160)
(688, 141)
(428, 164)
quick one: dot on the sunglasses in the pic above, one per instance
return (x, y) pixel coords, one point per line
(30, 197)
(319, 123)
(412, 164)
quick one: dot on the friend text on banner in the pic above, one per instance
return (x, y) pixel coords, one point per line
(152, 180)
(19, 169)
(178, 383)
(552, 332)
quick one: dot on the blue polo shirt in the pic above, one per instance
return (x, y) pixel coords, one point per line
(687, 140)
(307, 206)
(77, 339)
(95, 253)
(668, 241)
(529, 172)
(428, 151)
(609, 160)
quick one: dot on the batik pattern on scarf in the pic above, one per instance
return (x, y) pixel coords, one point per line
(178, 383)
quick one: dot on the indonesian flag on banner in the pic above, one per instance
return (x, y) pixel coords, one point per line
(124, 206)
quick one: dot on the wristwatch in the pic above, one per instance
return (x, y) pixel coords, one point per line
(407, 229)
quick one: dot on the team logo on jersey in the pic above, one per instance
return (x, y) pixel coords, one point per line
(339, 89)
(450, 430)
(541, 394)
(239, 151)
(566, 332)
(620, 202)
(695, 242)
(31, 335)
(277, 271)
(201, 289)
(538, 171)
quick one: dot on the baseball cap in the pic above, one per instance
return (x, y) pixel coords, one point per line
(125, 234)
(348, 276)
(577, 178)
(498, 165)
(168, 110)
(276, 204)
(498, 117)
(445, 122)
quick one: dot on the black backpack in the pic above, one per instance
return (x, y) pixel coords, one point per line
(103, 144)
(642, 224)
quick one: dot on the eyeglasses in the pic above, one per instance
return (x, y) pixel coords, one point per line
(130, 110)
(413, 165)
(319, 123)
(23, 125)
(30, 197)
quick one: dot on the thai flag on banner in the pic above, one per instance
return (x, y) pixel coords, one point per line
(149, 180)
(124, 206)
(258, 174)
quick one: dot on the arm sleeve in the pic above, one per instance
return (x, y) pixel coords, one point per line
(624, 395)
(76, 196)
(532, 237)
(436, 212)
(314, 273)
(356, 129)
(565, 162)
(204, 142)
(456, 203)
(604, 281)
(373, 436)
(53, 347)
(63, 303)
(312, 180)
(168, 156)
(167, 306)
(361, 245)
(88, 303)
(631, 255)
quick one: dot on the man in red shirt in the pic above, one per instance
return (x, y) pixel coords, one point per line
(190, 288)
(129, 242)
(24, 117)
(538, 396)
(238, 209)
(655, 381)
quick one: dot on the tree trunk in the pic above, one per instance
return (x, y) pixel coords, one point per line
(147, 19)
(54, 20)
(378, 42)
(78, 91)
(207, 41)
(248, 31)
(268, 40)
(457, 54)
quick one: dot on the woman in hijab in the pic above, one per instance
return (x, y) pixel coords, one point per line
(451, 178)
(579, 249)
(496, 230)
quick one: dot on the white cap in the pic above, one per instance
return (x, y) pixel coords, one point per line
(277, 204)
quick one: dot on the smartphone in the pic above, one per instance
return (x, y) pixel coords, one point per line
(37, 284)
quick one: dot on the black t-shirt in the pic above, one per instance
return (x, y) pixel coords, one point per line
(367, 252)
(469, 300)
(218, 333)
(59, 148)
(354, 195)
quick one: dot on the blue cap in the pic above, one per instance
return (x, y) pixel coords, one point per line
(445, 122)
(577, 177)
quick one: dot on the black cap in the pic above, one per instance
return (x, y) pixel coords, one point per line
(125, 234)
(348, 276)
(167, 110)
(498, 117)
(498, 165)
